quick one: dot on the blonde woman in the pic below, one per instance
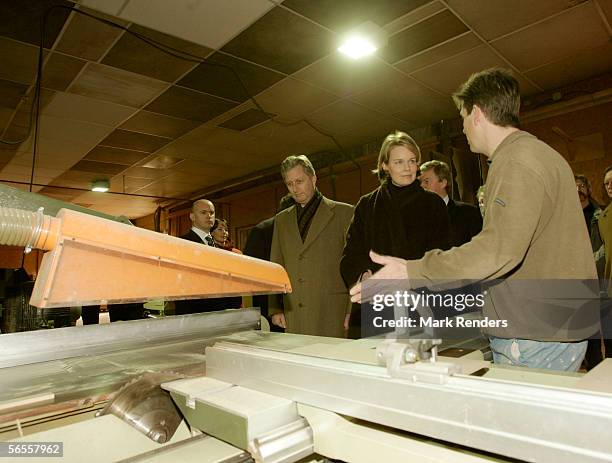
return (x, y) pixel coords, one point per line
(399, 218)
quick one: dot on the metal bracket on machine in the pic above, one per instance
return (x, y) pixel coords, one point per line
(415, 359)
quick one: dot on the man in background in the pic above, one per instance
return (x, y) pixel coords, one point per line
(465, 219)
(590, 209)
(601, 237)
(202, 218)
(259, 245)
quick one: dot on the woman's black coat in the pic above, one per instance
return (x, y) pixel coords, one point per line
(403, 222)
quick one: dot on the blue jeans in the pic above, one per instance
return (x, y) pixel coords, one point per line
(561, 356)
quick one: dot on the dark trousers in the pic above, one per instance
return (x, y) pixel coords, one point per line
(116, 312)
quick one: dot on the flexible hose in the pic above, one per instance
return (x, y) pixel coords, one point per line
(31, 230)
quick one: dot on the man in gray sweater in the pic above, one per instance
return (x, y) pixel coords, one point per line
(533, 253)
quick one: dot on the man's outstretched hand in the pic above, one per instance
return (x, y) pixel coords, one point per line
(278, 319)
(394, 268)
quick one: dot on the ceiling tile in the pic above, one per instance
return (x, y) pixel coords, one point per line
(188, 104)
(236, 163)
(195, 168)
(77, 179)
(133, 54)
(606, 7)
(22, 117)
(5, 117)
(199, 180)
(246, 119)
(19, 61)
(294, 139)
(115, 155)
(25, 172)
(531, 47)
(115, 85)
(208, 22)
(574, 68)
(292, 99)
(20, 124)
(447, 75)
(202, 133)
(7, 154)
(87, 37)
(131, 184)
(396, 96)
(344, 76)
(342, 116)
(60, 70)
(495, 18)
(11, 93)
(184, 147)
(438, 53)
(402, 22)
(145, 173)
(342, 15)
(112, 7)
(52, 154)
(227, 115)
(373, 132)
(283, 41)
(425, 34)
(158, 124)
(104, 168)
(214, 77)
(217, 144)
(59, 193)
(62, 142)
(70, 130)
(134, 141)
(71, 106)
(426, 109)
(167, 189)
(162, 162)
(21, 20)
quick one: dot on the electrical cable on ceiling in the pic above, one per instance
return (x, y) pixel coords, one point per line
(34, 119)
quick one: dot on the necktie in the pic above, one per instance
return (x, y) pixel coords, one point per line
(209, 240)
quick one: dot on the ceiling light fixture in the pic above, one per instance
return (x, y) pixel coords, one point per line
(362, 41)
(101, 186)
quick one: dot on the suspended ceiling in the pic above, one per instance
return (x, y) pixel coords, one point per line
(115, 107)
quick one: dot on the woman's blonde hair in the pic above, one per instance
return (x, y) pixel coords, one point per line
(396, 138)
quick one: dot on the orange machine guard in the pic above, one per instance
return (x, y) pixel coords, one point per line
(98, 261)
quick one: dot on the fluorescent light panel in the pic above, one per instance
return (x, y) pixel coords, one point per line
(363, 40)
(357, 47)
